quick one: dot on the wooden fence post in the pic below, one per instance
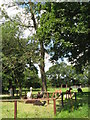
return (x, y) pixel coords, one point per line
(48, 98)
(62, 99)
(17, 92)
(15, 110)
(54, 104)
(25, 93)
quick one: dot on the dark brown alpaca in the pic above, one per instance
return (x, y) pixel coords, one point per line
(39, 103)
(79, 90)
(68, 92)
(39, 95)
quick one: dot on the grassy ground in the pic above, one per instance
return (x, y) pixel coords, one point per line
(71, 109)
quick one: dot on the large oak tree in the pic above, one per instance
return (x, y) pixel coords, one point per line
(61, 31)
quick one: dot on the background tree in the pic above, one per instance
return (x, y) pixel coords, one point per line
(62, 74)
(65, 27)
(13, 49)
(31, 77)
(15, 58)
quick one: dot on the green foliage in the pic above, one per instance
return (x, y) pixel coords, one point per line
(31, 77)
(13, 53)
(66, 74)
(65, 30)
(15, 57)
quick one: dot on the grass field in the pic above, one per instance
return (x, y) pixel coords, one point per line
(71, 109)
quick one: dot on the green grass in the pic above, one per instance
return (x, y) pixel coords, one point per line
(26, 110)
(81, 112)
(74, 109)
(52, 89)
(71, 109)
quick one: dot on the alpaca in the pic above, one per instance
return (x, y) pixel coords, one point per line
(79, 90)
(68, 92)
(29, 94)
(39, 103)
(39, 95)
(56, 93)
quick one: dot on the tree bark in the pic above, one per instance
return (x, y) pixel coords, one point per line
(32, 15)
(10, 84)
(42, 63)
(42, 66)
(20, 91)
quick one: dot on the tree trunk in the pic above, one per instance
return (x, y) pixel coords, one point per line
(42, 63)
(10, 84)
(61, 85)
(66, 85)
(11, 88)
(20, 91)
(42, 66)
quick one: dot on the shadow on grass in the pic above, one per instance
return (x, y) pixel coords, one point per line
(70, 104)
(9, 97)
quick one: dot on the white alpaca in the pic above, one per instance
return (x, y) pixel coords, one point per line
(29, 94)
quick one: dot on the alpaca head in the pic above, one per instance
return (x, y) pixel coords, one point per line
(30, 88)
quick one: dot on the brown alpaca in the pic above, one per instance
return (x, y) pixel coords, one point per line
(68, 92)
(57, 92)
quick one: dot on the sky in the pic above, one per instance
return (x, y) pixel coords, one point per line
(12, 12)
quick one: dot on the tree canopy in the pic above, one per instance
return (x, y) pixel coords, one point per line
(65, 29)
(18, 69)
(62, 74)
(60, 29)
